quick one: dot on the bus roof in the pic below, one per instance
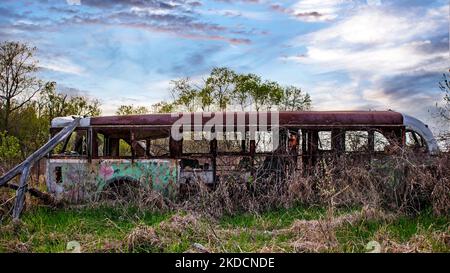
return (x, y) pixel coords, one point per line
(285, 118)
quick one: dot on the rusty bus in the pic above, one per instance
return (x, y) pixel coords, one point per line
(143, 149)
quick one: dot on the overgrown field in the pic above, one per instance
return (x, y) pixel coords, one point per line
(400, 204)
(298, 229)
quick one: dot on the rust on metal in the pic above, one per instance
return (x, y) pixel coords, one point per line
(297, 118)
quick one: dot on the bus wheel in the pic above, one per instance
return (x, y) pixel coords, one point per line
(120, 188)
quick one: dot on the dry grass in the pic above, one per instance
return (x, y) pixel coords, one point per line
(423, 241)
(173, 231)
(404, 183)
(318, 235)
(399, 186)
(294, 230)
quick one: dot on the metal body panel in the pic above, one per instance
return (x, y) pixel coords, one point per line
(387, 118)
(79, 180)
(422, 129)
(200, 175)
(76, 179)
(60, 122)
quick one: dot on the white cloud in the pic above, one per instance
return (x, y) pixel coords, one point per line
(252, 15)
(61, 64)
(343, 97)
(372, 60)
(73, 2)
(374, 40)
(317, 10)
(370, 46)
(150, 11)
(375, 26)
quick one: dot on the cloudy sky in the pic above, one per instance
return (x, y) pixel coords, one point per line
(368, 54)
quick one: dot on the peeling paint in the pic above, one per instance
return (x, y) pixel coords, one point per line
(80, 180)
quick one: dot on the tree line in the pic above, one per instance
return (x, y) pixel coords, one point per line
(224, 89)
(28, 104)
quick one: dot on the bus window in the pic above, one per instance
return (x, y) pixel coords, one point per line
(100, 144)
(230, 142)
(356, 141)
(264, 142)
(325, 140)
(380, 142)
(159, 146)
(195, 143)
(124, 148)
(75, 145)
(414, 140)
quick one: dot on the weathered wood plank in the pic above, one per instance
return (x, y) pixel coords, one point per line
(45, 197)
(20, 193)
(25, 166)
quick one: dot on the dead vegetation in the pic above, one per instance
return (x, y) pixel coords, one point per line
(386, 188)
(319, 235)
(172, 231)
(303, 235)
(405, 183)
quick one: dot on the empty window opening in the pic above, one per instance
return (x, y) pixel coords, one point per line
(414, 140)
(356, 141)
(264, 142)
(75, 145)
(231, 142)
(196, 142)
(325, 140)
(381, 143)
(124, 148)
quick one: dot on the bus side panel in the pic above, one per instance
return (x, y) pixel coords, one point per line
(76, 180)
(160, 174)
(70, 179)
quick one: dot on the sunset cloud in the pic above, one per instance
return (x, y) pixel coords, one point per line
(352, 54)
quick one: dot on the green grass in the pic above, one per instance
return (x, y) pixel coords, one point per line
(401, 230)
(100, 229)
(49, 230)
(276, 219)
(273, 219)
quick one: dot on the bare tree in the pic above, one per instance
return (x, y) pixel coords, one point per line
(18, 85)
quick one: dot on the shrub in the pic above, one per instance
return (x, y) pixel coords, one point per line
(9, 149)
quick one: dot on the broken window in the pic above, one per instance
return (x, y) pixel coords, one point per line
(356, 141)
(231, 142)
(195, 142)
(74, 145)
(325, 140)
(380, 142)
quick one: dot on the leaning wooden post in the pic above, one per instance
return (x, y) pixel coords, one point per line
(24, 167)
(41, 152)
(20, 193)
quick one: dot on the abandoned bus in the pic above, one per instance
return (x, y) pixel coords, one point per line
(169, 150)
